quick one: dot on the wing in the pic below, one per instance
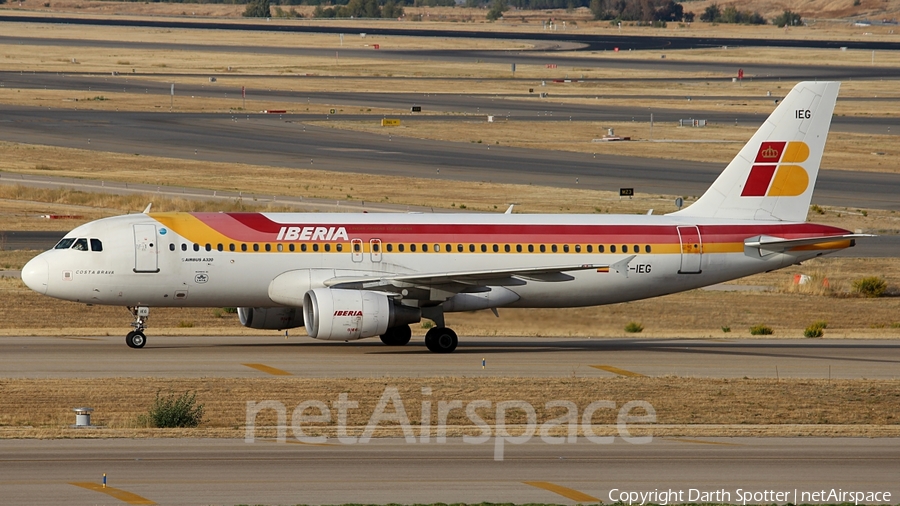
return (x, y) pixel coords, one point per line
(443, 285)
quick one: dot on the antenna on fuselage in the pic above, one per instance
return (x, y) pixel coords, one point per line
(147, 209)
(509, 209)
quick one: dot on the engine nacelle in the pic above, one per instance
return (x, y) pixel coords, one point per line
(341, 315)
(271, 318)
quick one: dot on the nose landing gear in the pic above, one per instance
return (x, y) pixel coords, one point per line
(136, 338)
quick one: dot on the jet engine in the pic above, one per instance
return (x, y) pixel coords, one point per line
(271, 318)
(341, 315)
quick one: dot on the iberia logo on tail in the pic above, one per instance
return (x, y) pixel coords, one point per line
(774, 173)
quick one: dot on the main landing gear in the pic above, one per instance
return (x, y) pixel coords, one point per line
(397, 336)
(437, 340)
(136, 338)
(441, 340)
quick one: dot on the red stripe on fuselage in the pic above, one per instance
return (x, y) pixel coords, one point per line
(255, 227)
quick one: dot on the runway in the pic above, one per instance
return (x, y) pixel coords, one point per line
(287, 142)
(212, 471)
(192, 356)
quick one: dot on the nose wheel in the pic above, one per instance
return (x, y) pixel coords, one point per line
(136, 338)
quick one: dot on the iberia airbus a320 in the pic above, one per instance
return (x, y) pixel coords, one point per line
(352, 276)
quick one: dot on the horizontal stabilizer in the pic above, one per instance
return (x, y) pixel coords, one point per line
(766, 245)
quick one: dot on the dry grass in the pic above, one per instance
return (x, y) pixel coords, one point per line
(43, 406)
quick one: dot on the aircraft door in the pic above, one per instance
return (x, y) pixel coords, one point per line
(691, 250)
(145, 248)
(356, 249)
(375, 249)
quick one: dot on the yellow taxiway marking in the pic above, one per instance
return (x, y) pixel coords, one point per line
(119, 494)
(566, 492)
(268, 370)
(616, 370)
(700, 441)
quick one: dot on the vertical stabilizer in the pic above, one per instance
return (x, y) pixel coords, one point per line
(773, 176)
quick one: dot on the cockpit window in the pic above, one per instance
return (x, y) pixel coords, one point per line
(96, 245)
(81, 244)
(65, 243)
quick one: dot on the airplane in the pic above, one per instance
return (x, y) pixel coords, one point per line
(352, 276)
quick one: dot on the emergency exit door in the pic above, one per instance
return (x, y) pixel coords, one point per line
(691, 250)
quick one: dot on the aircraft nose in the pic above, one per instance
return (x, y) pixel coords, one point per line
(36, 274)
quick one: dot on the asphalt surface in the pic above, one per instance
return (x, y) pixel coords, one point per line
(209, 471)
(207, 356)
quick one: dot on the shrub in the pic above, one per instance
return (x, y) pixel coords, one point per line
(816, 329)
(170, 412)
(726, 329)
(634, 328)
(871, 286)
(761, 330)
(230, 310)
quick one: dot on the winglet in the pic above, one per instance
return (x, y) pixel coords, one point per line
(509, 209)
(147, 209)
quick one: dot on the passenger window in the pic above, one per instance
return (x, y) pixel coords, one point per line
(279, 247)
(390, 247)
(553, 248)
(612, 248)
(196, 247)
(400, 248)
(565, 248)
(338, 246)
(624, 248)
(231, 247)
(268, 247)
(543, 248)
(171, 246)
(647, 248)
(81, 245)
(243, 247)
(412, 247)
(64, 244)
(518, 248)
(291, 246)
(315, 247)
(357, 247)
(183, 247)
(531, 248)
(577, 248)
(327, 247)
(601, 249)
(208, 247)
(256, 247)
(459, 247)
(448, 249)
(590, 248)
(471, 248)
(220, 247)
(506, 248)
(484, 248)
(303, 247)
(424, 248)
(375, 247)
